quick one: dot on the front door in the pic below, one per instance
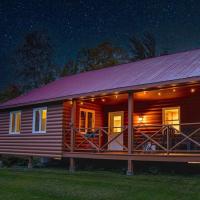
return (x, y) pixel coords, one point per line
(116, 123)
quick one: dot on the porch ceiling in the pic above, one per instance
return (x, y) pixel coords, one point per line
(150, 95)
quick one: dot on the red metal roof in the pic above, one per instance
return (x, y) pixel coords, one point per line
(155, 70)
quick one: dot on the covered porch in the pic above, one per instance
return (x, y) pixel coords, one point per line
(148, 123)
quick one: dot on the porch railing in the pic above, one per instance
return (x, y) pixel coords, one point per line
(183, 137)
(147, 138)
(95, 139)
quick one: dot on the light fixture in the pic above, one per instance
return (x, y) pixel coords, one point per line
(70, 102)
(103, 100)
(140, 119)
(145, 92)
(81, 103)
(159, 93)
(116, 96)
(174, 90)
(192, 90)
(92, 99)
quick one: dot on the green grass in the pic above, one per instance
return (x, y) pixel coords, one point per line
(59, 184)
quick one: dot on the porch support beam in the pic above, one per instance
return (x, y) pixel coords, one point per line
(71, 165)
(72, 138)
(130, 122)
(1, 162)
(30, 162)
(130, 132)
(129, 171)
(73, 120)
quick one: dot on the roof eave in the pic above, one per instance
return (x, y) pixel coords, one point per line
(121, 89)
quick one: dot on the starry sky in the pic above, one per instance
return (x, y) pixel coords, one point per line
(74, 24)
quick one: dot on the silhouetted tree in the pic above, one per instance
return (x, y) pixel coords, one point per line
(143, 48)
(10, 92)
(69, 68)
(101, 56)
(34, 61)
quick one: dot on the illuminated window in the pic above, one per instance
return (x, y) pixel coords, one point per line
(86, 121)
(39, 120)
(171, 116)
(15, 122)
(117, 123)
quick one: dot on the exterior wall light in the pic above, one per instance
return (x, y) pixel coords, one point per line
(140, 119)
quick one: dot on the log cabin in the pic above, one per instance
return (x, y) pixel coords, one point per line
(147, 110)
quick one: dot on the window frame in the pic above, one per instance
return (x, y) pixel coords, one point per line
(179, 116)
(10, 122)
(86, 120)
(40, 121)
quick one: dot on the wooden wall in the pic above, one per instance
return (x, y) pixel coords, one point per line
(98, 121)
(49, 144)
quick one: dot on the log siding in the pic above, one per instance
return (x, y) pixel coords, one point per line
(26, 143)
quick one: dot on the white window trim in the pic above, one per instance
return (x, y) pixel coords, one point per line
(33, 122)
(86, 120)
(10, 124)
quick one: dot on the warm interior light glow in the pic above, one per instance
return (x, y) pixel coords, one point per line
(193, 162)
(70, 102)
(140, 119)
(192, 90)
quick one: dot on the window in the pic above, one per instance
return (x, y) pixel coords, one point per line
(86, 121)
(15, 122)
(117, 123)
(172, 116)
(39, 120)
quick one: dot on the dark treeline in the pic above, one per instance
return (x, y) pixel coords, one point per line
(34, 64)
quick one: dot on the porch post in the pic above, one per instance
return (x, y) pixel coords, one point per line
(130, 131)
(130, 122)
(73, 118)
(30, 162)
(72, 138)
(1, 162)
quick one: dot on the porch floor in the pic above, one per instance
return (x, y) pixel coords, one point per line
(139, 156)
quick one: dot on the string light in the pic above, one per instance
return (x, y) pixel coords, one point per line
(116, 96)
(174, 90)
(103, 100)
(81, 103)
(159, 93)
(92, 99)
(192, 90)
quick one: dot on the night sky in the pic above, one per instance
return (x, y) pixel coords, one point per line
(74, 24)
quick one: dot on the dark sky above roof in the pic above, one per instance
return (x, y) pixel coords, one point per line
(73, 24)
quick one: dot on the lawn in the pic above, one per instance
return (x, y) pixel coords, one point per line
(16, 184)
